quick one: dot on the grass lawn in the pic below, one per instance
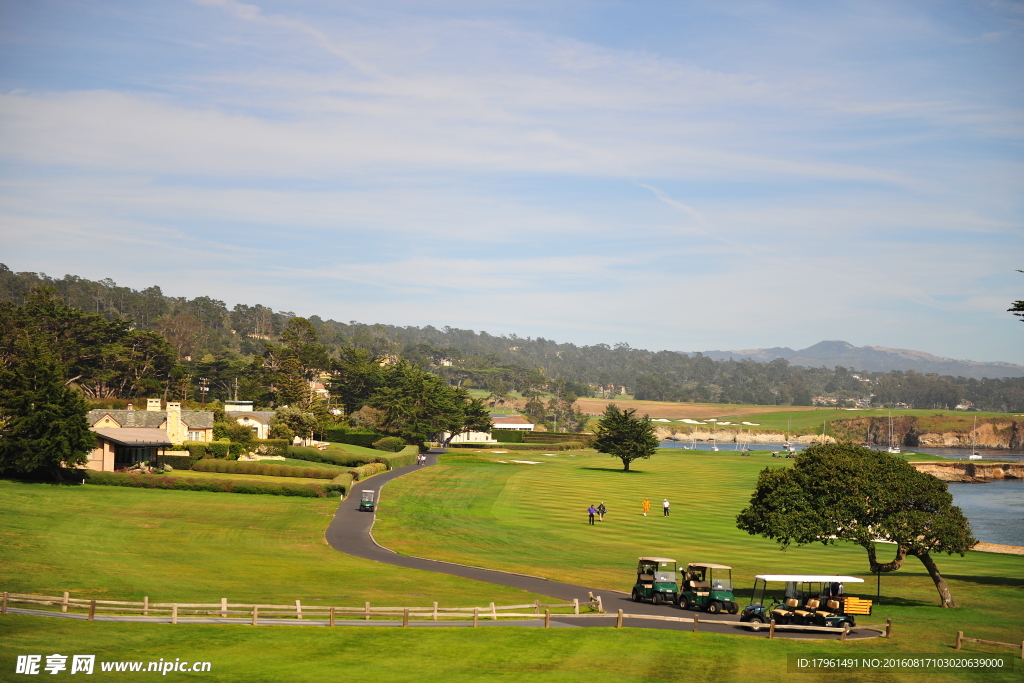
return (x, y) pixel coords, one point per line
(531, 518)
(359, 450)
(108, 542)
(303, 463)
(389, 655)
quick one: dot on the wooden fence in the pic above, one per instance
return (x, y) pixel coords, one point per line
(961, 639)
(296, 611)
(884, 629)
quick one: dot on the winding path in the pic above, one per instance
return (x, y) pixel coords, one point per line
(350, 533)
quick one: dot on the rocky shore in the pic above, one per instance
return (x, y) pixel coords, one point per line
(971, 472)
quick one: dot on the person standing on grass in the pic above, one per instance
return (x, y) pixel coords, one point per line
(591, 511)
(647, 506)
(601, 509)
(664, 508)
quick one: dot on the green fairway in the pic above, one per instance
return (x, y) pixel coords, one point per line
(810, 421)
(110, 542)
(389, 655)
(532, 519)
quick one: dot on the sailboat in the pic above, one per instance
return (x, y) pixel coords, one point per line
(893, 448)
(714, 442)
(975, 455)
(746, 444)
(787, 446)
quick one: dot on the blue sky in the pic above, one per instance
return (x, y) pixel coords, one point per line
(672, 175)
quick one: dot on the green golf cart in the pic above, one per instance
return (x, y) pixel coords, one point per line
(655, 580)
(803, 600)
(366, 502)
(707, 587)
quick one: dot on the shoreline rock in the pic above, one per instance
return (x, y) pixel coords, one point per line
(971, 472)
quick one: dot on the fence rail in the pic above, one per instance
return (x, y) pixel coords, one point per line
(225, 609)
(961, 639)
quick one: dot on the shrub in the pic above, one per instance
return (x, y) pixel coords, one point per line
(196, 449)
(152, 481)
(266, 469)
(341, 483)
(330, 456)
(392, 444)
(363, 438)
(406, 456)
(180, 462)
(507, 435)
(218, 449)
(368, 470)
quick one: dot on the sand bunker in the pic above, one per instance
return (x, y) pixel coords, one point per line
(527, 462)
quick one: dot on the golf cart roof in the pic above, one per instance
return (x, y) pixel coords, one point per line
(709, 565)
(809, 578)
(656, 559)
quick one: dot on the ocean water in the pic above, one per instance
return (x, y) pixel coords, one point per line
(995, 509)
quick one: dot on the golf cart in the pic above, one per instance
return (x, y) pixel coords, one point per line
(707, 587)
(803, 600)
(655, 580)
(366, 503)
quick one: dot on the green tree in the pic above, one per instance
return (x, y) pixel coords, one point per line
(1018, 306)
(297, 420)
(355, 376)
(43, 423)
(624, 436)
(844, 492)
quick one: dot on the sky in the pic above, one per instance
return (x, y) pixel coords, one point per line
(673, 175)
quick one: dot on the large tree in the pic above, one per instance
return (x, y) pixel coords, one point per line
(842, 492)
(1018, 306)
(624, 436)
(43, 424)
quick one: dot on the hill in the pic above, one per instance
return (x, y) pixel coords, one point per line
(873, 359)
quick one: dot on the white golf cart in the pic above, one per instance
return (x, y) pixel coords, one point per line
(803, 600)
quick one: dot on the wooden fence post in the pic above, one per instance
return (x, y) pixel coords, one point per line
(547, 618)
(92, 610)
(435, 610)
(771, 629)
(888, 628)
(405, 618)
(696, 621)
(145, 606)
(332, 616)
(64, 605)
(536, 606)
(959, 639)
(174, 613)
(600, 605)
(476, 616)
(223, 608)
(255, 615)
(494, 613)
(298, 609)
(3, 610)
(366, 614)
(618, 620)
(846, 629)
(575, 605)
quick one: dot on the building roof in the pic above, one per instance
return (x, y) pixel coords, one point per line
(135, 436)
(509, 420)
(809, 578)
(195, 419)
(261, 415)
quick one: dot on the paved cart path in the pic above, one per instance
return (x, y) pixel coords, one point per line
(350, 533)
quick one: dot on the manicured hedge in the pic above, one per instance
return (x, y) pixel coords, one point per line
(182, 461)
(392, 444)
(507, 435)
(342, 483)
(567, 446)
(406, 456)
(266, 469)
(368, 470)
(355, 437)
(152, 481)
(330, 456)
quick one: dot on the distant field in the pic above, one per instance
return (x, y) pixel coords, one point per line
(780, 419)
(694, 411)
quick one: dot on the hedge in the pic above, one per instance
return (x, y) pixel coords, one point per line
(342, 483)
(331, 456)
(391, 444)
(368, 470)
(507, 435)
(566, 446)
(266, 469)
(354, 437)
(153, 481)
(403, 458)
(272, 447)
(178, 462)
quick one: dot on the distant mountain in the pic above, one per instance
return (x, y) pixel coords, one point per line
(873, 359)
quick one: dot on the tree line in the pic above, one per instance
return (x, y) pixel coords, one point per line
(227, 353)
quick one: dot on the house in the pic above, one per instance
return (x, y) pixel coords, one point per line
(242, 412)
(497, 422)
(129, 436)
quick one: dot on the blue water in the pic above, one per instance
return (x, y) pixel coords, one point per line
(995, 509)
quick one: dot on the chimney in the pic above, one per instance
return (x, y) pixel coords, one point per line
(131, 407)
(175, 427)
(152, 404)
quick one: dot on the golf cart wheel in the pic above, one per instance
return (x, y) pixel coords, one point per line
(683, 602)
(734, 609)
(636, 595)
(714, 607)
(658, 599)
(755, 623)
